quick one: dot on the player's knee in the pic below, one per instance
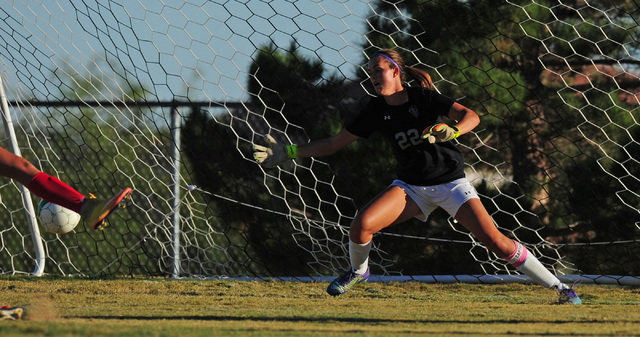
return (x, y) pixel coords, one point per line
(363, 225)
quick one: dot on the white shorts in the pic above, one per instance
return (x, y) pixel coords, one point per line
(449, 196)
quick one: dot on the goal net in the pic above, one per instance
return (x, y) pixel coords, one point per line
(168, 99)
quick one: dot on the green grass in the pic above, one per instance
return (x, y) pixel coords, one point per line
(158, 307)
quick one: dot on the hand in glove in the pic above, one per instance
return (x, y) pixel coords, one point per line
(274, 153)
(440, 133)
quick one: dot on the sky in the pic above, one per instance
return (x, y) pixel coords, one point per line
(196, 49)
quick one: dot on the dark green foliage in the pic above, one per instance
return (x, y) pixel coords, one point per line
(260, 240)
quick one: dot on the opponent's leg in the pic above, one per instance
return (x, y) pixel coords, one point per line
(12, 313)
(39, 183)
(55, 191)
(16, 167)
(94, 211)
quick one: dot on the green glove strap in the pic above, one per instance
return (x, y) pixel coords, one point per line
(456, 132)
(292, 151)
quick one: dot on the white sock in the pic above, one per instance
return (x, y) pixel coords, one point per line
(528, 264)
(359, 255)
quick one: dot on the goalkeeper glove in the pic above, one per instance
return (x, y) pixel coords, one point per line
(274, 153)
(440, 133)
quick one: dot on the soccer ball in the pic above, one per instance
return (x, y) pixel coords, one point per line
(57, 219)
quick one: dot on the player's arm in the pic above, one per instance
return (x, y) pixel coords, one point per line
(326, 146)
(465, 121)
(276, 153)
(466, 118)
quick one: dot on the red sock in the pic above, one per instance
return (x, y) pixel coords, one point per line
(53, 190)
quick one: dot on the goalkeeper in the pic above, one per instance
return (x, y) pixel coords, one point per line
(430, 170)
(93, 211)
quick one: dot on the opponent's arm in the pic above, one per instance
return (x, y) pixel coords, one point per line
(276, 153)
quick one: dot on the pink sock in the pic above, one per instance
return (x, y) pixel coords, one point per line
(53, 190)
(528, 264)
(518, 256)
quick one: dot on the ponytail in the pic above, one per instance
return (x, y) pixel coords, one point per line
(421, 76)
(395, 60)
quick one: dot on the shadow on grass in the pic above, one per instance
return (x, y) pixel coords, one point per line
(335, 320)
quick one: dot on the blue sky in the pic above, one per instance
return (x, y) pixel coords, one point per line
(200, 49)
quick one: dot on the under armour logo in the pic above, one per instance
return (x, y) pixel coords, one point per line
(413, 110)
(387, 117)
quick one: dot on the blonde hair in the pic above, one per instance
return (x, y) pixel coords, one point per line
(417, 74)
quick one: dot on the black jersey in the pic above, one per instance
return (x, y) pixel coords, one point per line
(419, 162)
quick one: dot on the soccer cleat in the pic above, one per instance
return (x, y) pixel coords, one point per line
(343, 283)
(95, 211)
(568, 295)
(11, 314)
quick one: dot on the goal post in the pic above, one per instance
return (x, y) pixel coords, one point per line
(38, 249)
(168, 99)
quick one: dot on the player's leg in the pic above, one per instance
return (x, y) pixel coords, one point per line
(473, 216)
(390, 207)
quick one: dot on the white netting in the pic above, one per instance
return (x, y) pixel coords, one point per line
(96, 89)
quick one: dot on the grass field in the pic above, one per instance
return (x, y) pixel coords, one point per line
(158, 307)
